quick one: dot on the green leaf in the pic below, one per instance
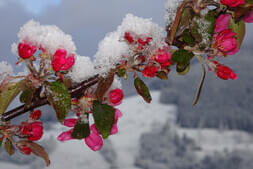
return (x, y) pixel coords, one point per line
(182, 56)
(9, 147)
(142, 89)
(1, 142)
(121, 72)
(249, 1)
(195, 33)
(188, 39)
(59, 97)
(26, 96)
(8, 93)
(210, 17)
(81, 130)
(104, 118)
(183, 69)
(239, 28)
(162, 75)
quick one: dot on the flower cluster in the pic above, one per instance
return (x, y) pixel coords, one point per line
(94, 141)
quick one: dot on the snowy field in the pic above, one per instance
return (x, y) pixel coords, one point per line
(138, 118)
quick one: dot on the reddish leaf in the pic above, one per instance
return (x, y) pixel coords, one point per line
(36, 149)
(103, 85)
(9, 147)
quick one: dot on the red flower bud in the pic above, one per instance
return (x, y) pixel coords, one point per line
(60, 62)
(128, 37)
(149, 71)
(232, 3)
(162, 57)
(116, 96)
(25, 50)
(225, 72)
(24, 149)
(35, 115)
(33, 131)
(37, 131)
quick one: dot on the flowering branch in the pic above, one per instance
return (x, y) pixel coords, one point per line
(74, 84)
(75, 92)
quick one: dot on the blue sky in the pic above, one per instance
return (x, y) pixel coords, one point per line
(38, 6)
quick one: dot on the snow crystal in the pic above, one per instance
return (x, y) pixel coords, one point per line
(116, 83)
(49, 37)
(6, 68)
(82, 69)
(171, 10)
(111, 50)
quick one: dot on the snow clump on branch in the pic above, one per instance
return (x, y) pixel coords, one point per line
(112, 49)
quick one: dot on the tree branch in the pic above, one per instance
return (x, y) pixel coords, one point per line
(75, 91)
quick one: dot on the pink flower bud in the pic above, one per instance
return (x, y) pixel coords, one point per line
(248, 17)
(59, 61)
(35, 115)
(24, 149)
(94, 141)
(25, 50)
(226, 42)
(149, 71)
(232, 3)
(65, 136)
(116, 96)
(222, 23)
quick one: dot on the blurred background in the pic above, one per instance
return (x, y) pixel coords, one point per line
(169, 133)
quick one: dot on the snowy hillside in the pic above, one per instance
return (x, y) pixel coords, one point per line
(121, 150)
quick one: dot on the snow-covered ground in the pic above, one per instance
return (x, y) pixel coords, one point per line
(138, 118)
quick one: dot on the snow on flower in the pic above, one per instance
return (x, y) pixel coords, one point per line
(48, 37)
(111, 49)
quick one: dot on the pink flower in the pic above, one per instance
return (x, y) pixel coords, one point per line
(35, 115)
(116, 96)
(225, 72)
(65, 136)
(60, 62)
(25, 50)
(128, 37)
(117, 115)
(232, 3)
(149, 71)
(33, 131)
(94, 141)
(222, 23)
(248, 17)
(226, 42)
